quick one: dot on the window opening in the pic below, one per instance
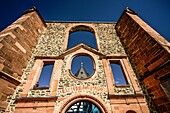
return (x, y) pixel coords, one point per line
(82, 67)
(165, 85)
(118, 74)
(45, 75)
(83, 107)
(85, 37)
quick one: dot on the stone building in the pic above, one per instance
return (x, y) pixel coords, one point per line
(30, 45)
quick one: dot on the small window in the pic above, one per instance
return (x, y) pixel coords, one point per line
(45, 75)
(118, 74)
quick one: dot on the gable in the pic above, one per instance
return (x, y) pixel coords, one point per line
(81, 49)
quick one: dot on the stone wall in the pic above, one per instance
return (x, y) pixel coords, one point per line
(7, 88)
(16, 43)
(149, 53)
(54, 40)
(95, 86)
(52, 44)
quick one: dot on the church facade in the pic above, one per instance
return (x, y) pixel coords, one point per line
(30, 47)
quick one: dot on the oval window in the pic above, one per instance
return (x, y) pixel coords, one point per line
(82, 67)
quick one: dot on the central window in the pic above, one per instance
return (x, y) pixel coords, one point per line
(82, 34)
(82, 66)
(83, 107)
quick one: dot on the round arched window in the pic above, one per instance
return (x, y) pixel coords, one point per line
(83, 107)
(82, 34)
(82, 67)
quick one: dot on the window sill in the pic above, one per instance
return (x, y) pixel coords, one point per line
(122, 86)
(41, 88)
(125, 95)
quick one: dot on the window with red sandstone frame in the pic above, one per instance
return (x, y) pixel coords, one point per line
(84, 37)
(45, 76)
(118, 74)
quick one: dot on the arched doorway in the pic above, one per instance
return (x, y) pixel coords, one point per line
(83, 107)
(83, 103)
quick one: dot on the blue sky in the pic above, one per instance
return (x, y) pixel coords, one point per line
(84, 37)
(119, 76)
(155, 12)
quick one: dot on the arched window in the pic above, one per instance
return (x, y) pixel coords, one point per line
(83, 107)
(81, 34)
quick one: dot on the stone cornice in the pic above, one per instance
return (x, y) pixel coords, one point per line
(126, 95)
(26, 99)
(35, 9)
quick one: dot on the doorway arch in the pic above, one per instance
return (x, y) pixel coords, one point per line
(83, 107)
(83, 98)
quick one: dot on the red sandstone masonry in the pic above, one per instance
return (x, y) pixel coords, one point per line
(6, 89)
(16, 43)
(36, 105)
(149, 51)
